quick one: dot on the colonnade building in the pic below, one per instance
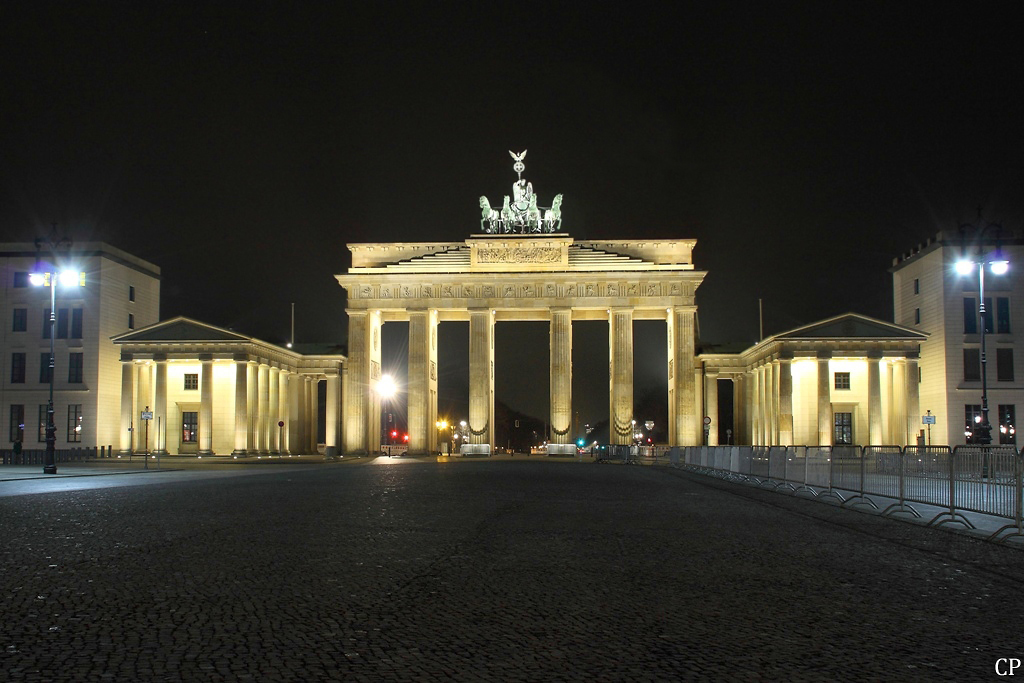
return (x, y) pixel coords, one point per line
(192, 388)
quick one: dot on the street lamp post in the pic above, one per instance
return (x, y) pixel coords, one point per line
(68, 278)
(982, 431)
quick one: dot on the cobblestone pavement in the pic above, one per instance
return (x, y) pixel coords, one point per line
(489, 571)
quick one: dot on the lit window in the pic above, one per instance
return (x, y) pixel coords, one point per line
(1007, 424)
(17, 432)
(189, 426)
(43, 413)
(191, 381)
(842, 380)
(74, 423)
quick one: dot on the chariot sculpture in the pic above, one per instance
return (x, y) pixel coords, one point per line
(520, 214)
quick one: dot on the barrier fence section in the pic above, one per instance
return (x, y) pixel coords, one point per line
(37, 456)
(983, 479)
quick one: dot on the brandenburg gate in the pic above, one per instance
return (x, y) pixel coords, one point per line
(518, 267)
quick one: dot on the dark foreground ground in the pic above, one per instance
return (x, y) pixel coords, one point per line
(475, 571)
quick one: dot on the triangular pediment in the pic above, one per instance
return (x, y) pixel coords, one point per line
(852, 326)
(180, 329)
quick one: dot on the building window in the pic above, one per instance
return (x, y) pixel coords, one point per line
(1007, 424)
(1002, 315)
(20, 323)
(972, 416)
(842, 380)
(76, 323)
(131, 321)
(62, 323)
(917, 316)
(189, 425)
(917, 286)
(45, 371)
(972, 365)
(17, 368)
(74, 423)
(75, 363)
(191, 381)
(970, 315)
(843, 432)
(17, 423)
(989, 322)
(1004, 365)
(43, 414)
(21, 279)
(131, 293)
(46, 323)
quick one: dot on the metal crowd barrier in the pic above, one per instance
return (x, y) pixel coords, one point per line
(983, 479)
(37, 456)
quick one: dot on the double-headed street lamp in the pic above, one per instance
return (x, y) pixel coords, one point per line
(39, 278)
(981, 433)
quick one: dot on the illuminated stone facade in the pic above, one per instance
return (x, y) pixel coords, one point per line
(119, 290)
(212, 391)
(549, 277)
(849, 379)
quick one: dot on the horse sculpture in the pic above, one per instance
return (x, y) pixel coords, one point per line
(487, 215)
(553, 216)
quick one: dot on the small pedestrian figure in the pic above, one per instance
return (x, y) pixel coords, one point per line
(17, 452)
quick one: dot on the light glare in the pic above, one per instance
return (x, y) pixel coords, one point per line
(999, 267)
(69, 278)
(964, 267)
(36, 279)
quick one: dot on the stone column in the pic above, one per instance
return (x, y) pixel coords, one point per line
(824, 399)
(273, 410)
(284, 406)
(263, 405)
(620, 348)
(481, 380)
(127, 403)
(913, 398)
(144, 401)
(422, 389)
(739, 410)
(160, 406)
(312, 414)
(333, 414)
(711, 404)
(874, 399)
(560, 359)
(762, 402)
(684, 431)
(786, 401)
(252, 404)
(294, 415)
(206, 405)
(241, 406)
(754, 391)
(361, 402)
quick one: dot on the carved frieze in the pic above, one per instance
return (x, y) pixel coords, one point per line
(519, 255)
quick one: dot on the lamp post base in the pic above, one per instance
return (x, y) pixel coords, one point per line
(49, 469)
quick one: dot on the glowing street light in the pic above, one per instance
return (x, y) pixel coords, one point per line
(68, 278)
(982, 430)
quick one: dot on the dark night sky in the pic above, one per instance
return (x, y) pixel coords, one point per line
(240, 146)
